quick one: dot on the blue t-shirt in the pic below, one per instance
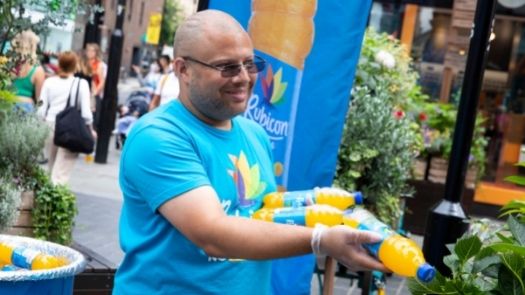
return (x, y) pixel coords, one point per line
(169, 152)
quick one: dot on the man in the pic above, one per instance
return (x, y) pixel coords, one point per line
(191, 171)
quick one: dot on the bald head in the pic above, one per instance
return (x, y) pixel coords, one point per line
(202, 26)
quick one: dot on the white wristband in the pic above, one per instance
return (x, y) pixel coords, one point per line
(316, 239)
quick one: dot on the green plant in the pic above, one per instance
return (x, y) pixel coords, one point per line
(9, 201)
(14, 17)
(517, 179)
(172, 16)
(488, 260)
(380, 137)
(55, 210)
(22, 137)
(438, 129)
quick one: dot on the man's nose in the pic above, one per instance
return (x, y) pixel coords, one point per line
(243, 75)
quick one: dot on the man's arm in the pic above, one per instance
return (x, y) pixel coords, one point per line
(200, 217)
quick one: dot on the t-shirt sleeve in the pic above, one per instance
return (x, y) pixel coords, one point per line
(160, 164)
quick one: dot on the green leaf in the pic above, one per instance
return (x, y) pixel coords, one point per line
(439, 285)
(514, 264)
(516, 179)
(517, 229)
(509, 284)
(492, 271)
(484, 261)
(486, 284)
(506, 247)
(505, 239)
(451, 261)
(467, 247)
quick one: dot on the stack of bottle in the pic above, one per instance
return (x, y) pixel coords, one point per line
(17, 257)
(325, 206)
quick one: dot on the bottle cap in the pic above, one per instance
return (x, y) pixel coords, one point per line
(426, 272)
(358, 198)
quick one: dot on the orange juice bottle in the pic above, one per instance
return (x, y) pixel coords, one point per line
(28, 258)
(401, 255)
(283, 29)
(307, 216)
(334, 197)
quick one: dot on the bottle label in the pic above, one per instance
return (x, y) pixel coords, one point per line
(298, 198)
(23, 257)
(374, 225)
(294, 216)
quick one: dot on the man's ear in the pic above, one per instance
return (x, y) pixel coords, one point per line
(180, 68)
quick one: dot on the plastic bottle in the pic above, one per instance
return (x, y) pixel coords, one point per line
(401, 255)
(283, 29)
(307, 216)
(334, 197)
(283, 35)
(29, 258)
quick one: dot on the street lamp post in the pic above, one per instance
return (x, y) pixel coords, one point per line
(92, 31)
(448, 221)
(109, 102)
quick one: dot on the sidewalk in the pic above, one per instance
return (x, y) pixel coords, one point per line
(99, 199)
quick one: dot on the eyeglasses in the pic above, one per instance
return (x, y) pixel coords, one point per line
(253, 66)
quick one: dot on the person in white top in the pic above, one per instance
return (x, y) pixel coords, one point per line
(54, 96)
(167, 90)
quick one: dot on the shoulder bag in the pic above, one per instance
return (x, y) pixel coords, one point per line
(71, 131)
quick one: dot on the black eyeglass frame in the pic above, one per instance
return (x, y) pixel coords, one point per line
(254, 66)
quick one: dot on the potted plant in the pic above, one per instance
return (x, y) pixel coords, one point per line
(489, 259)
(438, 130)
(380, 137)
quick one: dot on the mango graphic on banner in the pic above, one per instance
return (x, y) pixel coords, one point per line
(153, 32)
(272, 86)
(247, 180)
(283, 29)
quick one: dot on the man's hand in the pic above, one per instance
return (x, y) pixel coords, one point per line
(344, 244)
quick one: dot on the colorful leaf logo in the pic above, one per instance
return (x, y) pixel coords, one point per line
(247, 180)
(273, 87)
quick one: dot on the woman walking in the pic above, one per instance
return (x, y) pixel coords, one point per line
(56, 92)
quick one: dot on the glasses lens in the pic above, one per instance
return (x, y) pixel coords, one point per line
(232, 70)
(253, 67)
(259, 63)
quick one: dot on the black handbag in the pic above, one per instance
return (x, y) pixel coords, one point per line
(71, 131)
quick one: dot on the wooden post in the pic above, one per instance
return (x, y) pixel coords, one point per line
(458, 44)
(409, 25)
(329, 276)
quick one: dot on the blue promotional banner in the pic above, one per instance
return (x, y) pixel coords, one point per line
(301, 99)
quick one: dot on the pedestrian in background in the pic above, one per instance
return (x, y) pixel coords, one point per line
(29, 75)
(99, 71)
(167, 87)
(56, 92)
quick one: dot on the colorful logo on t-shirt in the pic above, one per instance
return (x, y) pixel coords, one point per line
(247, 180)
(272, 86)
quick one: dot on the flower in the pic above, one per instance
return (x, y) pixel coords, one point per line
(3, 59)
(399, 114)
(422, 117)
(386, 59)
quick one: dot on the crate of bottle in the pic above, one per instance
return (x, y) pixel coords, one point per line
(30, 266)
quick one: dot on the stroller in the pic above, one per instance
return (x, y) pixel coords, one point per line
(137, 104)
